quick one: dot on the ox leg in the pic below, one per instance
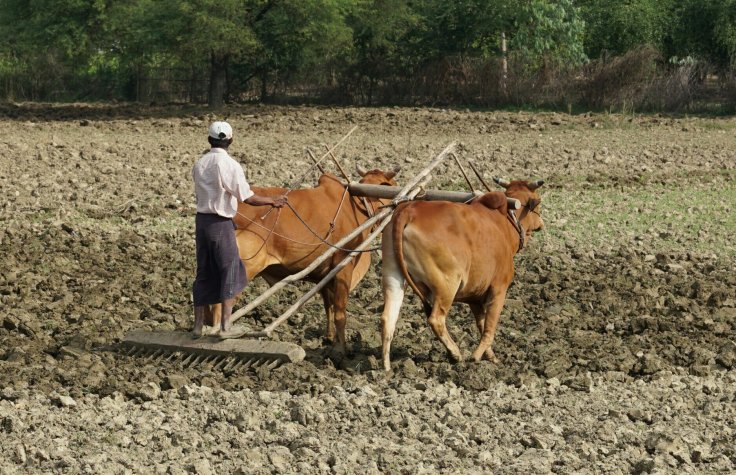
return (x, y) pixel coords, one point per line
(437, 318)
(492, 314)
(328, 298)
(341, 291)
(479, 311)
(480, 316)
(392, 282)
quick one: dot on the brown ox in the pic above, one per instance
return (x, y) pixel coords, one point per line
(280, 242)
(454, 252)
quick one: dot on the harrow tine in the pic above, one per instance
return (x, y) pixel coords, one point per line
(221, 363)
(232, 363)
(178, 348)
(185, 361)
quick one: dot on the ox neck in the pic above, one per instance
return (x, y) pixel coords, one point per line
(367, 205)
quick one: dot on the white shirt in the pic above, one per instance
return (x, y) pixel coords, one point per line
(219, 183)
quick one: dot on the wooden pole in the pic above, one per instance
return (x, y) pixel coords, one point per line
(337, 163)
(401, 196)
(299, 180)
(368, 208)
(388, 192)
(314, 159)
(457, 160)
(385, 192)
(480, 177)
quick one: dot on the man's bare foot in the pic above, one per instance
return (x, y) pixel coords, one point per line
(233, 332)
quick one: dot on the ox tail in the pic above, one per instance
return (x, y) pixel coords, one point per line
(401, 221)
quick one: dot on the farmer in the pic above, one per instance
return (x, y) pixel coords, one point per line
(220, 184)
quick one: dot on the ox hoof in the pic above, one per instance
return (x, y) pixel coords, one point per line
(487, 356)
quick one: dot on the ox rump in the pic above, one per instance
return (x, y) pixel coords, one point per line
(386, 192)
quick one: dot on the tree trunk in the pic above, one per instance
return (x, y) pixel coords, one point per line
(218, 80)
(504, 67)
(264, 87)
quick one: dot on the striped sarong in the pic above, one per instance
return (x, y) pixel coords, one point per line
(220, 272)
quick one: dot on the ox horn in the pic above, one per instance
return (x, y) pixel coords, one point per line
(501, 181)
(393, 172)
(361, 171)
(535, 184)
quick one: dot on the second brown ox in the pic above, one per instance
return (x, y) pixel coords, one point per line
(281, 242)
(454, 252)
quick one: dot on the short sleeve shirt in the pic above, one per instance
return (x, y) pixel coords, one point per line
(219, 183)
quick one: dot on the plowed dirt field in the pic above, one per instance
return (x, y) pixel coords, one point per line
(617, 345)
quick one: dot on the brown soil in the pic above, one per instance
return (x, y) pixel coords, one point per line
(616, 346)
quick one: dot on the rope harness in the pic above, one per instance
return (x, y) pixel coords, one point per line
(272, 231)
(516, 222)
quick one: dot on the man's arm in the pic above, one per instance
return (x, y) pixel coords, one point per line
(258, 200)
(239, 187)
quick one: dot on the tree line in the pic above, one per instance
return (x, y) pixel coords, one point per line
(358, 51)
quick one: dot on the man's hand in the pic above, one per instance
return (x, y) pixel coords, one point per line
(280, 201)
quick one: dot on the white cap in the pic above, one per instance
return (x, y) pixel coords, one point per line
(221, 130)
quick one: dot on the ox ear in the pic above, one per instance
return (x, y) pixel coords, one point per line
(361, 171)
(393, 172)
(535, 184)
(501, 181)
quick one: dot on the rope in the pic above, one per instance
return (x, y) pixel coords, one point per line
(272, 231)
(371, 249)
(267, 237)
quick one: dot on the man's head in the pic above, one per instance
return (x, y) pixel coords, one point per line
(220, 134)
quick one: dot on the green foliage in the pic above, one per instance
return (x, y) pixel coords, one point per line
(704, 29)
(298, 34)
(463, 27)
(549, 32)
(67, 49)
(725, 30)
(618, 27)
(379, 35)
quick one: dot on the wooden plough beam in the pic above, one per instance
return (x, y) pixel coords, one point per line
(380, 191)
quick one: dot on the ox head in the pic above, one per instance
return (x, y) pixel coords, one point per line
(530, 214)
(377, 177)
